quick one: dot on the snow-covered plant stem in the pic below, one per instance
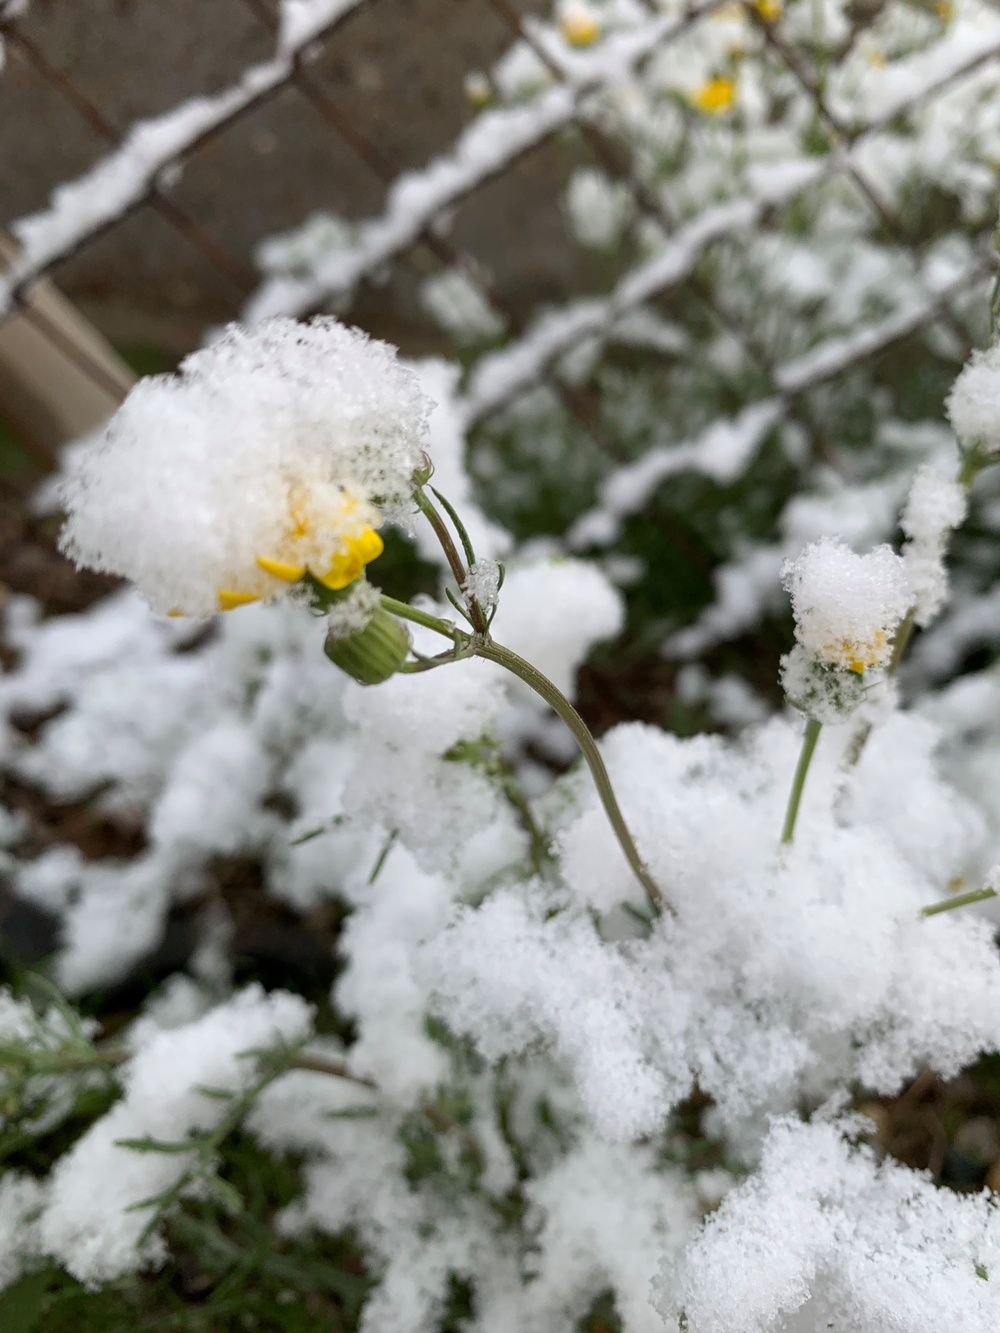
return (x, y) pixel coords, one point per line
(809, 740)
(487, 647)
(959, 900)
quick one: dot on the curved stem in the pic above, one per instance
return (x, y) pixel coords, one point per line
(495, 652)
(458, 570)
(557, 701)
(110, 1057)
(813, 728)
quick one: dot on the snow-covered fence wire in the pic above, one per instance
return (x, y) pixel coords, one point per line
(555, 80)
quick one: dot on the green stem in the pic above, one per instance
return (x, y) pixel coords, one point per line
(110, 1057)
(557, 701)
(541, 854)
(458, 570)
(813, 728)
(958, 900)
(407, 612)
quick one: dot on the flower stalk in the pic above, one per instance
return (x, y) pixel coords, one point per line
(959, 900)
(480, 643)
(809, 740)
(488, 648)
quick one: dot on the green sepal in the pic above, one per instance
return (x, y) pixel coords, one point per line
(374, 653)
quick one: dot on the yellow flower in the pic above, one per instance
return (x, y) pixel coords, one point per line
(769, 10)
(855, 654)
(715, 96)
(330, 536)
(579, 27)
(944, 10)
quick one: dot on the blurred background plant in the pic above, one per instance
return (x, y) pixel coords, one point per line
(690, 285)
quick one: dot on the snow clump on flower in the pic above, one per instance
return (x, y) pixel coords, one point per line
(935, 506)
(974, 402)
(846, 606)
(276, 451)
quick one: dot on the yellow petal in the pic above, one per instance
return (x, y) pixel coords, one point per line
(344, 570)
(349, 564)
(281, 569)
(715, 96)
(368, 547)
(769, 10)
(229, 600)
(580, 29)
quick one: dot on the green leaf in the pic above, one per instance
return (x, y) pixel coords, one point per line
(149, 1144)
(21, 1304)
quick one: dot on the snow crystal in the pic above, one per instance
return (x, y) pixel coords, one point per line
(211, 802)
(270, 443)
(483, 584)
(86, 1224)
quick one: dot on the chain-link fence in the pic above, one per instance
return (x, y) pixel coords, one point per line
(661, 236)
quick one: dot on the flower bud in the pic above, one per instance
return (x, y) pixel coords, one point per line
(424, 472)
(373, 654)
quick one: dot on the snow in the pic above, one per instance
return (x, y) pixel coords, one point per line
(86, 1222)
(825, 1235)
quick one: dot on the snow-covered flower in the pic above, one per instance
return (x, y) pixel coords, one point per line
(974, 402)
(578, 23)
(275, 452)
(846, 606)
(715, 96)
(935, 506)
